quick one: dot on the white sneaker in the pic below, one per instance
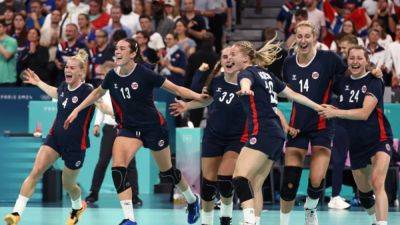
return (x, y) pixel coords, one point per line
(311, 217)
(338, 203)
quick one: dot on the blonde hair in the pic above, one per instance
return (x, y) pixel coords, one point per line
(82, 58)
(306, 23)
(263, 57)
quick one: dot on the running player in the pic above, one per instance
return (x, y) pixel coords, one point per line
(223, 138)
(140, 124)
(361, 104)
(259, 88)
(311, 72)
(70, 144)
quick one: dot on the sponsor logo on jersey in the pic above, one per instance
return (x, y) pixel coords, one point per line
(115, 86)
(294, 77)
(347, 88)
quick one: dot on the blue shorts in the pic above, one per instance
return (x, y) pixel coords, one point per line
(155, 137)
(322, 138)
(360, 155)
(73, 156)
(267, 144)
(213, 146)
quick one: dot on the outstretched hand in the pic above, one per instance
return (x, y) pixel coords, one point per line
(328, 111)
(245, 92)
(30, 77)
(178, 107)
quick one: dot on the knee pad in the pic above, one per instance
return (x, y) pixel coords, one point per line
(208, 190)
(173, 175)
(243, 188)
(290, 182)
(367, 200)
(121, 182)
(315, 192)
(225, 186)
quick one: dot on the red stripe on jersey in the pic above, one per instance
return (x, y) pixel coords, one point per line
(118, 111)
(245, 135)
(161, 118)
(86, 128)
(325, 99)
(254, 115)
(292, 116)
(382, 132)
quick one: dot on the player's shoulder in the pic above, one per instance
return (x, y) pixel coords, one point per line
(327, 55)
(87, 86)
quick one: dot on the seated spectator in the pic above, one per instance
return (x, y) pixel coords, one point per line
(156, 41)
(101, 53)
(19, 31)
(35, 18)
(35, 57)
(54, 28)
(347, 28)
(149, 55)
(16, 6)
(115, 23)
(173, 65)
(185, 43)
(98, 17)
(9, 18)
(384, 38)
(171, 11)
(8, 58)
(86, 32)
(163, 24)
(77, 7)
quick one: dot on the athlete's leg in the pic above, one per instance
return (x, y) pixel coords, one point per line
(366, 194)
(258, 195)
(380, 165)
(69, 183)
(209, 168)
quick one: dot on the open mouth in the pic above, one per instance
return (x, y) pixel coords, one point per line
(355, 66)
(230, 65)
(303, 46)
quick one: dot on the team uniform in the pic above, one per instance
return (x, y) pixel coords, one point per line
(315, 81)
(134, 109)
(72, 143)
(263, 124)
(225, 130)
(98, 58)
(376, 132)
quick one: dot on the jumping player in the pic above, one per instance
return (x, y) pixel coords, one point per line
(70, 144)
(312, 73)
(259, 88)
(361, 105)
(140, 124)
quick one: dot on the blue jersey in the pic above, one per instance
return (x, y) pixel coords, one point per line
(132, 97)
(226, 116)
(68, 100)
(351, 96)
(315, 81)
(98, 58)
(259, 108)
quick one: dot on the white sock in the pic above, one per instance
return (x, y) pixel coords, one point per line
(77, 203)
(372, 218)
(284, 218)
(128, 209)
(20, 204)
(189, 196)
(311, 203)
(258, 220)
(226, 210)
(381, 223)
(249, 216)
(207, 218)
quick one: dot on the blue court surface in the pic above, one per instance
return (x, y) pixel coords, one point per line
(158, 211)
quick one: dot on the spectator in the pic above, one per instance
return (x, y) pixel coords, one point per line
(129, 18)
(100, 54)
(66, 49)
(9, 18)
(173, 65)
(185, 43)
(344, 45)
(117, 36)
(149, 55)
(170, 10)
(217, 23)
(370, 6)
(107, 4)
(35, 57)
(378, 55)
(86, 32)
(19, 31)
(206, 9)
(138, 7)
(384, 38)
(66, 18)
(163, 24)
(16, 6)
(77, 7)
(347, 28)
(8, 58)
(387, 15)
(54, 28)
(156, 41)
(394, 52)
(196, 23)
(316, 17)
(35, 18)
(115, 23)
(98, 18)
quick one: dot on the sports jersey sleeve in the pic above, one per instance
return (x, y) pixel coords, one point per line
(338, 73)
(155, 80)
(88, 90)
(284, 71)
(60, 88)
(375, 88)
(246, 74)
(279, 85)
(107, 81)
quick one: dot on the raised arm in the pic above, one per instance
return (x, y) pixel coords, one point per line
(245, 87)
(31, 77)
(183, 92)
(301, 99)
(180, 106)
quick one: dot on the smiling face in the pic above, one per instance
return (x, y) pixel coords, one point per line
(123, 53)
(226, 61)
(305, 40)
(357, 62)
(238, 59)
(73, 71)
(348, 27)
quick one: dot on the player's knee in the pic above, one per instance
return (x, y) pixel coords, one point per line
(290, 182)
(378, 183)
(225, 186)
(367, 199)
(119, 175)
(243, 188)
(173, 175)
(315, 192)
(208, 190)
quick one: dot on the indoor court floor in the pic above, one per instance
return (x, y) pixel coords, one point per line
(156, 210)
